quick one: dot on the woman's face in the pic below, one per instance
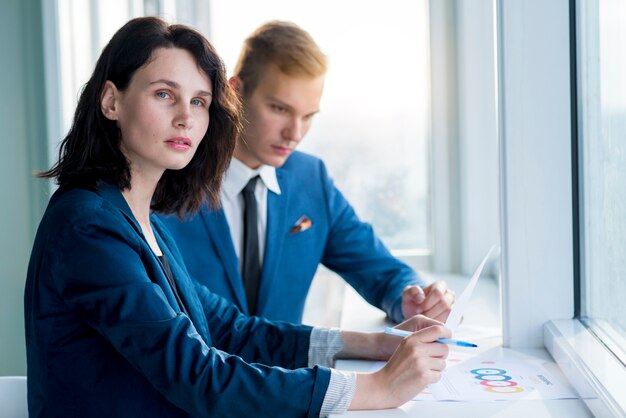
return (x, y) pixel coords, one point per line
(163, 114)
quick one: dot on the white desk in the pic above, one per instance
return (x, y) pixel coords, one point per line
(483, 312)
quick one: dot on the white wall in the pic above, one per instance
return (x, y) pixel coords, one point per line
(22, 118)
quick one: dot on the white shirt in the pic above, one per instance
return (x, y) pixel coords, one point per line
(235, 179)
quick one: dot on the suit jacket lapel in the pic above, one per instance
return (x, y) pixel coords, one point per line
(189, 298)
(219, 232)
(185, 290)
(274, 237)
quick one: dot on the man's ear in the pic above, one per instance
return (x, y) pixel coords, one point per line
(236, 83)
(109, 100)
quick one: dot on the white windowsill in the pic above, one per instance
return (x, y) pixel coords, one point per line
(596, 374)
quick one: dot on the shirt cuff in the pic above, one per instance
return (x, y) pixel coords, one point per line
(324, 344)
(339, 393)
(395, 313)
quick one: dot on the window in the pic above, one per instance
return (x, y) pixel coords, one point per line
(602, 159)
(375, 107)
(549, 115)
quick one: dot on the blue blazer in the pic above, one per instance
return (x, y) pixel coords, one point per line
(337, 239)
(106, 337)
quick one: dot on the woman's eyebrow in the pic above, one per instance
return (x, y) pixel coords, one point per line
(175, 85)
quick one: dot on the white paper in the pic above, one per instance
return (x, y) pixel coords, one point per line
(454, 319)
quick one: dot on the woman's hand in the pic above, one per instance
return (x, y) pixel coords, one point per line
(416, 363)
(387, 344)
(378, 345)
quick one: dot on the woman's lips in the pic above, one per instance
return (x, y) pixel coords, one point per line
(179, 143)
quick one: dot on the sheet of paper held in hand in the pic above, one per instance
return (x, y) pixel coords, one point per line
(454, 319)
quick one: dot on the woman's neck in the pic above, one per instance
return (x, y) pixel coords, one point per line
(139, 201)
(139, 198)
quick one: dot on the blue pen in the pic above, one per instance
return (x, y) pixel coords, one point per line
(449, 341)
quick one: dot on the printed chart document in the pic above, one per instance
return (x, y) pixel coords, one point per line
(495, 377)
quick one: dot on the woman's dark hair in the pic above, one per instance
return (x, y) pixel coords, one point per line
(91, 152)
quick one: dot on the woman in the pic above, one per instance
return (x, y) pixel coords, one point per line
(114, 325)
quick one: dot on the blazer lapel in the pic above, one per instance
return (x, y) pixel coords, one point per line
(186, 292)
(274, 237)
(219, 232)
(111, 193)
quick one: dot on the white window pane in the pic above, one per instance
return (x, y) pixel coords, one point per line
(603, 157)
(373, 127)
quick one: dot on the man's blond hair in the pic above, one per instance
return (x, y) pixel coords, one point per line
(283, 44)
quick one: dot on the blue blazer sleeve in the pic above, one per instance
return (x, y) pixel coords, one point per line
(99, 316)
(255, 339)
(355, 252)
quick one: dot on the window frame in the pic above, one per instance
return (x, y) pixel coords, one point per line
(464, 136)
(52, 74)
(585, 20)
(444, 174)
(539, 212)
(536, 200)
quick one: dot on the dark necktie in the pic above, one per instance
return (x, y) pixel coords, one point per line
(251, 263)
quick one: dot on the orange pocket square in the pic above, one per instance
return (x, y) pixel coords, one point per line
(302, 224)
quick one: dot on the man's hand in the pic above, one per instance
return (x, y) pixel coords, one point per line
(434, 301)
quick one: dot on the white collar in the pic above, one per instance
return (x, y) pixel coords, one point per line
(238, 175)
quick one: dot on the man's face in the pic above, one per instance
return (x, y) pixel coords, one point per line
(278, 113)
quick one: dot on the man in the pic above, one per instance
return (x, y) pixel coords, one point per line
(296, 218)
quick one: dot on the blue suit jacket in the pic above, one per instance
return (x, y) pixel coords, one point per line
(105, 336)
(337, 239)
